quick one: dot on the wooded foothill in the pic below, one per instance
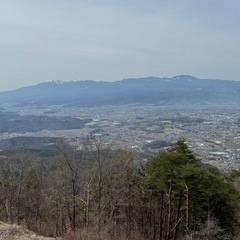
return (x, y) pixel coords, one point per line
(98, 193)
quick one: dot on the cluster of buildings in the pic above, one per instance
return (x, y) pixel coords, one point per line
(212, 132)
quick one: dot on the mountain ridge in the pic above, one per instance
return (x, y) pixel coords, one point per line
(182, 89)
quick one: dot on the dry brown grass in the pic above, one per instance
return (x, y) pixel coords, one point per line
(15, 232)
(92, 233)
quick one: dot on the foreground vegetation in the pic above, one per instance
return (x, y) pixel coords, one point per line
(97, 193)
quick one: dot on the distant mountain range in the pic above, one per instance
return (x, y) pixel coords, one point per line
(183, 89)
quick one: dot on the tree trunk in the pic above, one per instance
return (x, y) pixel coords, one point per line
(169, 217)
(178, 216)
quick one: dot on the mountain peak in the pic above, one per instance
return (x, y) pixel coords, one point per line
(61, 81)
(184, 77)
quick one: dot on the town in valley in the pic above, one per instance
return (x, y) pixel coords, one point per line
(212, 132)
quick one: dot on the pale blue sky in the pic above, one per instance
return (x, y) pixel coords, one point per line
(114, 39)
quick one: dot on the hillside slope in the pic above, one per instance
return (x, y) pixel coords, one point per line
(15, 232)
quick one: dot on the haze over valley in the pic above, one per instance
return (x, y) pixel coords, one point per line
(143, 115)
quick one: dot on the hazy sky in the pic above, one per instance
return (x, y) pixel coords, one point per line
(114, 39)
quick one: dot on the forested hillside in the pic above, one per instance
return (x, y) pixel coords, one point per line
(99, 193)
